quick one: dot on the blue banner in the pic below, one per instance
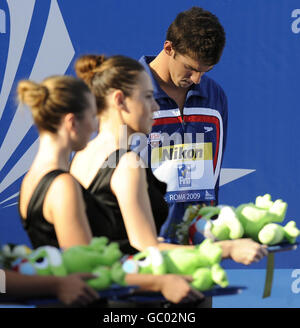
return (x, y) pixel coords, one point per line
(259, 71)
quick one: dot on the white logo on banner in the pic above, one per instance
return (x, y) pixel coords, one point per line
(296, 22)
(53, 58)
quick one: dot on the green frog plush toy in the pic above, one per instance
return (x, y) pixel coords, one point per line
(201, 262)
(259, 221)
(104, 261)
(99, 258)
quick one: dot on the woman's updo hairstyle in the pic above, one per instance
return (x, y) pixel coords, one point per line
(53, 98)
(104, 74)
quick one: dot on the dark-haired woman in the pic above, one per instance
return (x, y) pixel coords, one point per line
(117, 176)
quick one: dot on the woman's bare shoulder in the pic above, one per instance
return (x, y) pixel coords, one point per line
(131, 160)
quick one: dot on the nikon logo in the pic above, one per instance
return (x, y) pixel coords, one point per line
(2, 22)
(178, 152)
(182, 152)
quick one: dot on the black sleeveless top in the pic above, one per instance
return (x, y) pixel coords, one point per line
(41, 232)
(100, 188)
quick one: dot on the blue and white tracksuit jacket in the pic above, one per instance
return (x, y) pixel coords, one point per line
(186, 151)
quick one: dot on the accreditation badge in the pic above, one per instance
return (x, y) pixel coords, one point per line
(187, 169)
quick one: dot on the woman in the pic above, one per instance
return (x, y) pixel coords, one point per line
(55, 209)
(125, 103)
(64, 112)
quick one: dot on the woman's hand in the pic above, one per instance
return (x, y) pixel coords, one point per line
(72, 289)
(244, 250)
(176, 289)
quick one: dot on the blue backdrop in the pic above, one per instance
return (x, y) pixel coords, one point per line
(259, 72)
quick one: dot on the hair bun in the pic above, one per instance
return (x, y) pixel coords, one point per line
(32, 94)
(87, 66)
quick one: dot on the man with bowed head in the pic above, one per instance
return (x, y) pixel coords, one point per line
(193, 113)
(192, 119)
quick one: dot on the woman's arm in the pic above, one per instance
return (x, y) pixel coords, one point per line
(243, 250)
(166, 285)
(64, 207)
(71, 290)
(129, 185)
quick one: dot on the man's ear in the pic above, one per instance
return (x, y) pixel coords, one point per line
(168, 48)
(119, 100)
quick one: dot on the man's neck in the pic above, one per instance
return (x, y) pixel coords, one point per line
(159, 68)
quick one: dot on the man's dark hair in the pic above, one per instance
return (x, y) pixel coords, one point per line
(198, 34)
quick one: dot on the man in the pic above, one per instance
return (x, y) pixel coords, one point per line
(188, 138)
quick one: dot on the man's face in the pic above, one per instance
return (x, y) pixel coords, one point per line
(185, 71)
